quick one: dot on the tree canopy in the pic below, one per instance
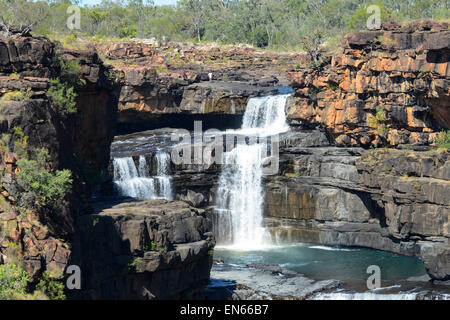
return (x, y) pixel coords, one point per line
(263, 23)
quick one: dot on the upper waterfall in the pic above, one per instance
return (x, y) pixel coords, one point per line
(266, 114)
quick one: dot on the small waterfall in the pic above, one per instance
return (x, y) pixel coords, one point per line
(240, 196)
(266, 113)
(136, 182)
(163, 175)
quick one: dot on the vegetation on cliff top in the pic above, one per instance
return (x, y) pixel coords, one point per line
(273, 23)
(62, 90)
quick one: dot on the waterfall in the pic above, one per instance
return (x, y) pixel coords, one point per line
(266, 113)
(163, 175)
(136, 182)
(240, 195)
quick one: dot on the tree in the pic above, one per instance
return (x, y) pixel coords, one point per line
(196, 13)
(312, 44)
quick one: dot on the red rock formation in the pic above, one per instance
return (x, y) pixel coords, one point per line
(400, 71)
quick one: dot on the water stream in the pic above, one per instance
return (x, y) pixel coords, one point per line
(135, 181)
(239, 205)
(239, 202)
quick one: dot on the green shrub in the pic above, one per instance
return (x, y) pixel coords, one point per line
(17, 95)
(386, 41)
(14, 75)
(71, 73)
(292, 174)
(50, 188)
(377, 122)
(21, 142)
(69, 40)
(34, 176)
(63, 97)
(13, 280)
(443, 140)
(52, 286)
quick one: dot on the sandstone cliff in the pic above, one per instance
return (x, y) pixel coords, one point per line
(389, 87)
(161, 84)
(167, 256)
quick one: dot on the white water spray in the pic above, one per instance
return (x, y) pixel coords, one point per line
(240, 197)
(266, 114)
(136, 182)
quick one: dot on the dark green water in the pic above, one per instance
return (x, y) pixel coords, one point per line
(322, 262)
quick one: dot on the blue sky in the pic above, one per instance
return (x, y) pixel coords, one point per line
(157, 2)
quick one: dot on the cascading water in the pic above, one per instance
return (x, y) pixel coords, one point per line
(240, 195)
(163, 175)
(266, 114)
(136, 182)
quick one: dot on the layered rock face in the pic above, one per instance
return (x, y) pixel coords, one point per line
(161, 84)
(389, 87)
(144, 249)
(126, 249)
(31, 234)
(386, 199)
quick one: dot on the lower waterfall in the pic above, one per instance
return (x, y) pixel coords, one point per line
(136, 182)
(240, 195)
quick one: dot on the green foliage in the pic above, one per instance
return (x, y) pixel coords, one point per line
(268, 23)
(133, 265)
(16, 95)
(69, 40)
(14, 75)
(386, 41)
(13, 280)
(21, 142)
(443, 140)
(377, 122)
(312, 43)
(423, 72)
(49, 187)
(63, 96)
(417, 186)
(51, 284)
(34, 176)
(71, 72)
(292, 175)
(128, 31)
(359, 19)
(61, 91)
(95, 222)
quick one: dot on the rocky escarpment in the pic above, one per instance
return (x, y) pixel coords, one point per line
(389, 87)
(387, 199)
(31, 232)
(144, 249)
(169, 85)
